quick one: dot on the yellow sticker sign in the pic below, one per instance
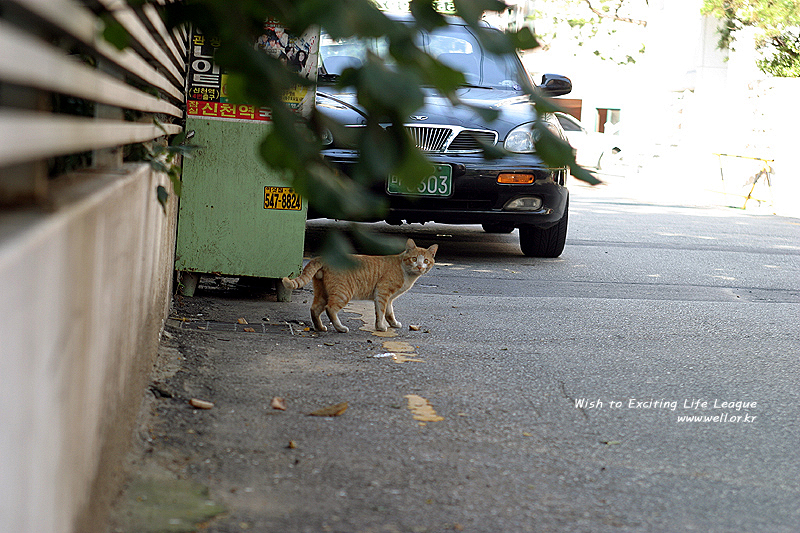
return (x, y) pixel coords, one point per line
(283, 198)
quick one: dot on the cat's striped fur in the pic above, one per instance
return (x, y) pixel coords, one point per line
(377, 278)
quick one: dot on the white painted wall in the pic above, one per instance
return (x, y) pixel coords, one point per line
(85, 290)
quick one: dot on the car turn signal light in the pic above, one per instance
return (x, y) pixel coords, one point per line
(515, 178)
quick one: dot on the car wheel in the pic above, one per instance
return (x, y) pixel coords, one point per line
(498, 228)
(538, 242)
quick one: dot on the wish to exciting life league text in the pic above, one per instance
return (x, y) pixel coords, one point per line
(688, 410)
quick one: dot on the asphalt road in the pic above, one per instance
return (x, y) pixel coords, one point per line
(646, 380)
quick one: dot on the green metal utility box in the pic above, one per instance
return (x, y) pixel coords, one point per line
(237, 217)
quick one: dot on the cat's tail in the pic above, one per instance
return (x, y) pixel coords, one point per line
(302, 280)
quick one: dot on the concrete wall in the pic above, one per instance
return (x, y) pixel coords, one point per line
(84, 290)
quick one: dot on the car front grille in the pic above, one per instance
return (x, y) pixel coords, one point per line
(450, 139)
(472, 141)
(429, 139)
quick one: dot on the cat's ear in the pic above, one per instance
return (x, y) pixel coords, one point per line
(433, 249)
(410, 245)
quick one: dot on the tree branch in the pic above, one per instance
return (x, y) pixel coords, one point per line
(615, 16)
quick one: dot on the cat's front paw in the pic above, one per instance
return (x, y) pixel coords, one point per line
(380, 326)
(395, 324)
(341, 328)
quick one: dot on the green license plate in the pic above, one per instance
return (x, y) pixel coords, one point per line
(440, 183)
(283, 198)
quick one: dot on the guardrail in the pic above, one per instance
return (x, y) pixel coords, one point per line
(86, 249)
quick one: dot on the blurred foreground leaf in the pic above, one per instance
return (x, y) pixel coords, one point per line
(556, 152)
(114, 32)
(389, 89)
(162, 195)
(372, 243)
(336, 252)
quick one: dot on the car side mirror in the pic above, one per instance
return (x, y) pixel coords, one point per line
(555, 85)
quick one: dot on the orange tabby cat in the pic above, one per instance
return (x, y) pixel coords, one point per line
(377, 278)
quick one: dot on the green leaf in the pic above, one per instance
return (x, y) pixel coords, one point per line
(373, 243)
(495, 41)
(556, 153)
(177, 184)
(162, 195)
(178, 139)
(446, 79)
(236, 88)
(288, 148)
(472, 10)
(337, 252)
(114, 32)
(414, 167)
(159, 166)
(378, 150)
(426, 15)
(578, 172)
(492, 151)
(524, 39)
(353, 17)
(545, 105)
(336, 196)
(487, 114)
(552, 149)
(388, 89)
(185, 150)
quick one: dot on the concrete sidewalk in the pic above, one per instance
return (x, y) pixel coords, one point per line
(236, 466)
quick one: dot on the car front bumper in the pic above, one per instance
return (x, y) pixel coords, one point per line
(477, 197)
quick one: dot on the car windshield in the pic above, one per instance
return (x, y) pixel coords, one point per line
(454, 45)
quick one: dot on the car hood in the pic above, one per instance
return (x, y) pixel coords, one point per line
(513, 109)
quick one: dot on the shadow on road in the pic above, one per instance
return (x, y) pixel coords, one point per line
(455, 241)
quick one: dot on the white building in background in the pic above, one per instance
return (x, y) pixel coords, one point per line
(680, 103)
(685, 100)
(649, 96)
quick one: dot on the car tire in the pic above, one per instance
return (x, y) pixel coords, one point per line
(498, 228)
(539, 242)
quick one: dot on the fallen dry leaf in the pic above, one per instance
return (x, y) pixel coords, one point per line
(331, 410)
(278, 403)
(413, 328)
(422, 409)
(406, 358)
(249, 330)
(398, 346)
(242, 321)
(292, 445)
(200, 404)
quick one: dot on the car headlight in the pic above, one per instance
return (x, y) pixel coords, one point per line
(521, 139)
